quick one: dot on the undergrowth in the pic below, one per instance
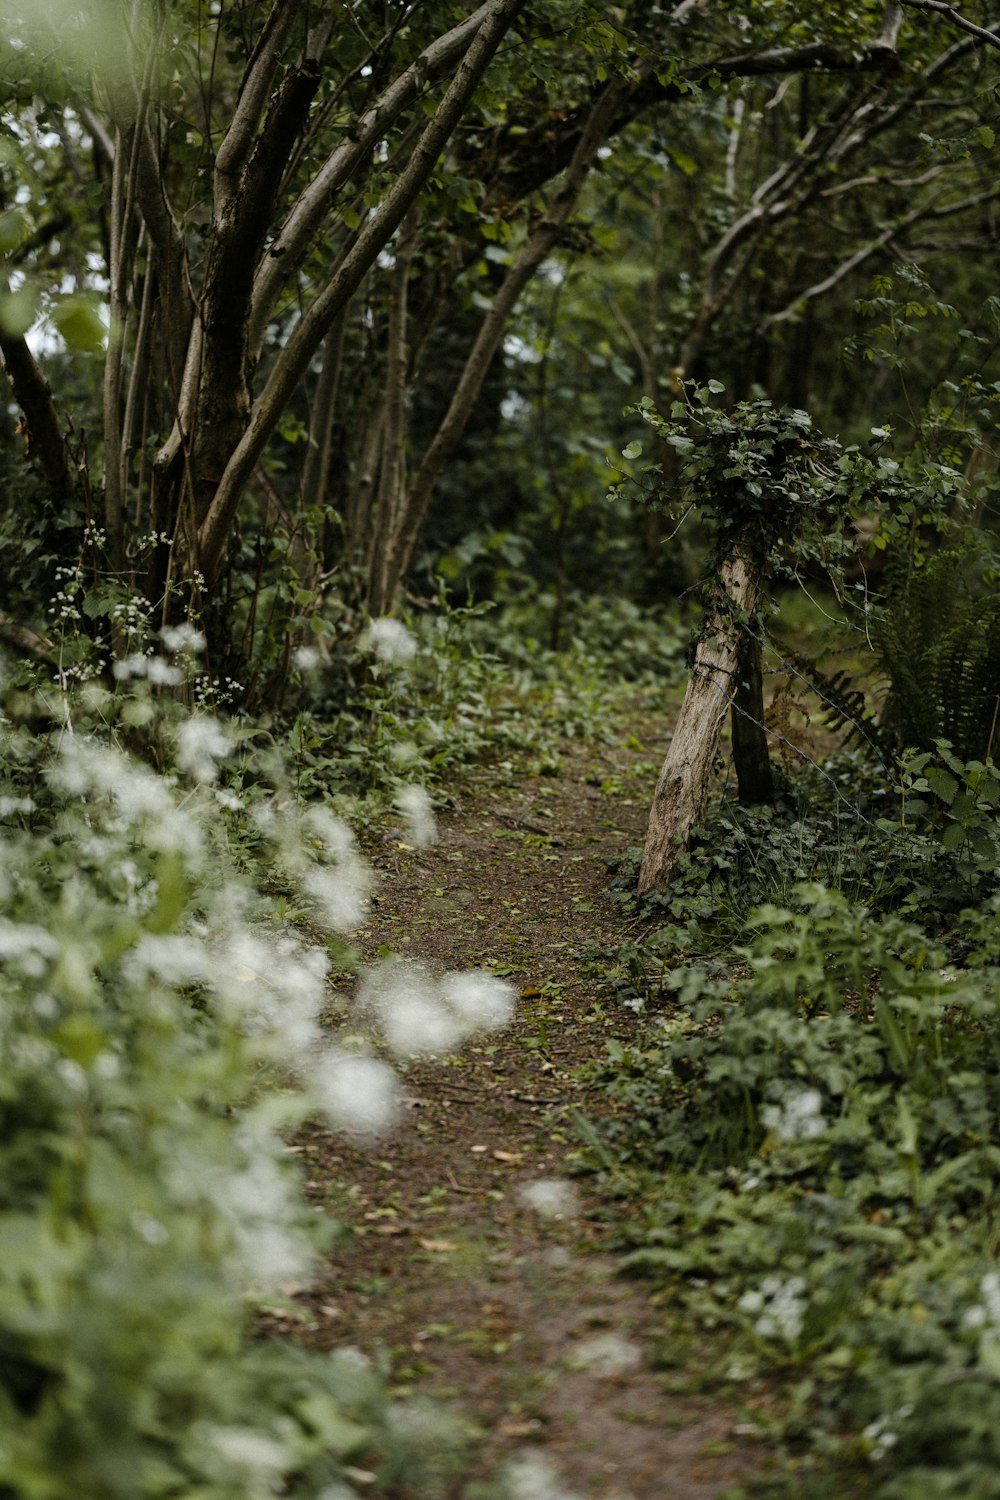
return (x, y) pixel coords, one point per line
(804, 1150)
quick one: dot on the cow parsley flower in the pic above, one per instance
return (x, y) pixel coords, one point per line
(798, 1118)
(418, 813)
(551, 1197)
(340, 893)
(261, 1206)
(606, 1355)
(258, 1454)
(528, 1476)
(201, 744)
(781, 1304)
(183, 637)
(420, 1013)
(480, 1001)
(408, 1004)
(358, 1093)
(390, 641)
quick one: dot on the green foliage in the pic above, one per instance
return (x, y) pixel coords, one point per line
(152, 1002)
(810, 1142)
(764, 477)
(938, 639)
(803, 1149)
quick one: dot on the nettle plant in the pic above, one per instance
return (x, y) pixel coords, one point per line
(159, 1040)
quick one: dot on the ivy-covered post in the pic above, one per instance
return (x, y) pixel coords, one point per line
(774, 493)
(683, 785)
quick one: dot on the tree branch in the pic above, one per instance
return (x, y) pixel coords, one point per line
(239, 140)
(294, 359)
(941, 8)
(32, 394)
(539, 245)
(313, 203)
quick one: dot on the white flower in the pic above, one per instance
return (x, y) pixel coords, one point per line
(201, 742)
(174, 958)
(986, 1313)
(128, 667)
(781, 1303)
(162, 674)
(479, 1000)
(275, 990)
(551, 1197)
(340, 893)
(261, 1206)
(306, 658)
(86, 769)
(183, 637)
(409, 1006)
(798, 1118)
(421, 1014)
(530, 1477)
(72, 1075)
(882, 1434)
(333, 832)
(390, 641)
(26, 941)
(358, 1093)
(418, 811)
(605, 1355)
(252, 1450)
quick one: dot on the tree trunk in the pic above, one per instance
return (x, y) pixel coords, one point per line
(682, 790)
(750, 756)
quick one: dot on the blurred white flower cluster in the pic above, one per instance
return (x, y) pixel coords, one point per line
(781, 1304)
(551, 1197)
(418, 814)
(390, 641)
(798, 1118)
(529, 1476)
(883, 1433)
(420, 1013)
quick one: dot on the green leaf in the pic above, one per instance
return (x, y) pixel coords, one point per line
(942, 784)
(687, 164)
(80, 325)
(18, 311)
(632, 450)
(987, 136)
(13, 228)
(350, 217)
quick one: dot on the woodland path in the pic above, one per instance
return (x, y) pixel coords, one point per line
(560, 1367)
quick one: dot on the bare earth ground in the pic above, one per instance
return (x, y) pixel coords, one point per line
(473, 1296)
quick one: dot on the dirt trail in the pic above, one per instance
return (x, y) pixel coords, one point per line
(480, 1299)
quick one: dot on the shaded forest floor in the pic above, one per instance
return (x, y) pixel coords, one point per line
(480, 1288)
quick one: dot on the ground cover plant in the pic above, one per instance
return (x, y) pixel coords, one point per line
(167, 936)
(804, 1150)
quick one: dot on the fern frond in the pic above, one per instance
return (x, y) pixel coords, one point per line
(939, 643)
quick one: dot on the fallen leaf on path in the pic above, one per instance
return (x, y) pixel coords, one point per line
(441, 1246)
(530, 992)
(511, 1156)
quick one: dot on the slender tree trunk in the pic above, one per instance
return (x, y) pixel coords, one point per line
(682, 790)
(539, 244)
(750, 754)
(389, 508)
